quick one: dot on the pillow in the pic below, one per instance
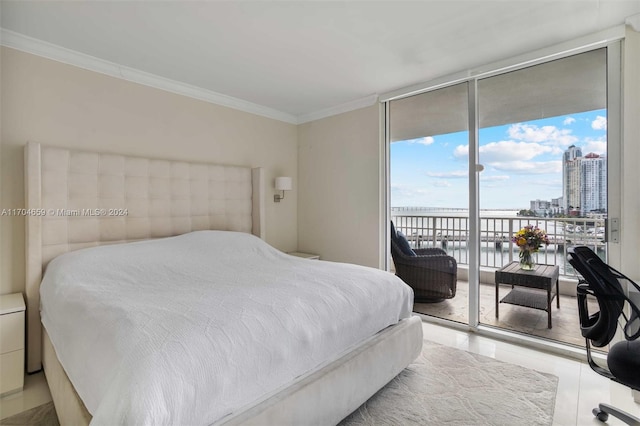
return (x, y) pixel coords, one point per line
(403, 244)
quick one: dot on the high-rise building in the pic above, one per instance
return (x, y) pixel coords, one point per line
(584, 182)
(571, 178)
(593, 187)
(540, 207)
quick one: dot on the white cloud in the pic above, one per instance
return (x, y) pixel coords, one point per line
(551, 183)
(600, 123)
(569, 120)
(497, 178)
(529, 167)
(427, 140)
(505, 151)
(496, 181)
(557, 151)
(442, 183)
(546, 134)
(408, 190)
(431, 194)
(451, 174)
(598, 146)
(461, 151)
(509, 150)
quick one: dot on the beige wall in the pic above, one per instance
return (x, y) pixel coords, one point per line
(57, 104)
(338, 191)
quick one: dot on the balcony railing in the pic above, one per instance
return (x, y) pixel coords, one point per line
(451, 233)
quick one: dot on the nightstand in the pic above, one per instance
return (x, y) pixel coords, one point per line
(11, 343)
(305, 255)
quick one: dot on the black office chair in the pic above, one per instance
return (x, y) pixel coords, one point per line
(623, 361)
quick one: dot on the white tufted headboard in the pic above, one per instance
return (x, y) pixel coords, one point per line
(77, 199)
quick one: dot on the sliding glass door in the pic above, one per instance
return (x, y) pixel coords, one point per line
(471, 163)
(429, 190)
(543, 144)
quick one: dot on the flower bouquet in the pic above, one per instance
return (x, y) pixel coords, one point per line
(529, 240)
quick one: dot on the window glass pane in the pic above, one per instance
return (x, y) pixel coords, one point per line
(430, 187)
(542, 141)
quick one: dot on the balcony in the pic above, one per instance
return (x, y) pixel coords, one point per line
(450, 232)
(513, 318)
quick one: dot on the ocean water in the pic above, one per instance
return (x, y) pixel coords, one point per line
(449, 229)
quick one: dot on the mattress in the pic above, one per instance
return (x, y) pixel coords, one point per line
(191, 329)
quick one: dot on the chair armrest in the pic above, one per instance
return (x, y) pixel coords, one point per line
(586, 321)
(430, 252)
(436, 262)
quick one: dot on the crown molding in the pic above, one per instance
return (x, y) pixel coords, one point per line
(57, 53)
(634, 22)
(47, 50)
(339, 109)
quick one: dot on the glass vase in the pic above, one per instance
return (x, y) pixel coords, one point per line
(526, 260)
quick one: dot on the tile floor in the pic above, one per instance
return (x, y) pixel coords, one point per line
(34, 393)
(579, 388)
(565, 320)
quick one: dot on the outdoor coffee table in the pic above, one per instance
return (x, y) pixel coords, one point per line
(526, 286)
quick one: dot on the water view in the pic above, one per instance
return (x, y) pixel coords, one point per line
(449, 229)
(537, 138)
(560, 162)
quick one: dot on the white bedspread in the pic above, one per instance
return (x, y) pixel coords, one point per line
(189, 329)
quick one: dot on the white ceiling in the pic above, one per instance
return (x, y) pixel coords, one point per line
(304, 57)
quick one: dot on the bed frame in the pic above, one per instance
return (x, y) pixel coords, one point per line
(77, 199)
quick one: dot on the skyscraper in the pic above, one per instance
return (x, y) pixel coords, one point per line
(584, 182)
(571, 178)
(593, 187)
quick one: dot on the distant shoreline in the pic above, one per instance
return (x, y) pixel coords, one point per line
(452, 208)
(409, 211)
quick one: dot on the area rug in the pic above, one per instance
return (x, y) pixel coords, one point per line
(444, 386)
(42, 415)
(454, 387)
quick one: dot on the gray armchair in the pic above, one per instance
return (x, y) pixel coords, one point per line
(430, 272)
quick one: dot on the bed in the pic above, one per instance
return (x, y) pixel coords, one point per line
(85, 206)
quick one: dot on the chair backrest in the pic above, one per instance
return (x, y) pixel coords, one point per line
(603, 282)
(399, 244)
(394, 245)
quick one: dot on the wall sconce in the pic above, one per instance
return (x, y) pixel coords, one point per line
(282, 184)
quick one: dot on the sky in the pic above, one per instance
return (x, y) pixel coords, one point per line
(522, 162)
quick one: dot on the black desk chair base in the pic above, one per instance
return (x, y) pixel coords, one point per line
(604, 410)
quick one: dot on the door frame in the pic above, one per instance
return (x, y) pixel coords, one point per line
(611, 39)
